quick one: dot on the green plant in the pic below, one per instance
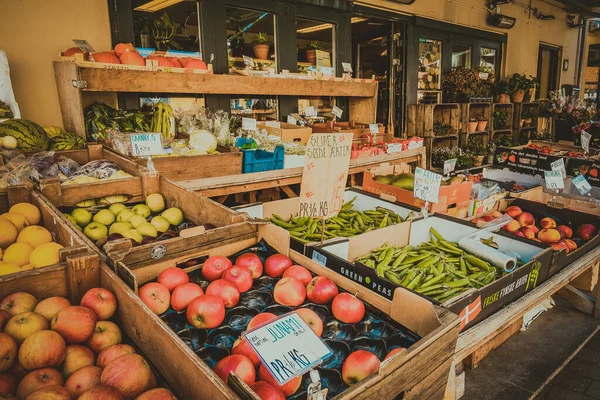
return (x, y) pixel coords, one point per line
(440, 129)
(465, 161)
(502, 87)
(261, 38)
(500, 119)
(521, 82)
(441, 154)
(503, 140)
(163, 32)
(314, 45)
(529, 112)
(476, 146)
(460, 84)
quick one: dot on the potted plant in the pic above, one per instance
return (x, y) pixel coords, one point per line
(500, 120)
(261, 46)
(472, 125)
(481, 123)
(521, 84)
(478, 151)
(311, 51)
(502, 91)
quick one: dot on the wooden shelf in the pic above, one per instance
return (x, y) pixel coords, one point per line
(250, 112)
(502, 130)
(444, 136)
(258, 61)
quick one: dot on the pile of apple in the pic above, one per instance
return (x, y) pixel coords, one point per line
(54, 350)
(140, 223)
(560, 237)
(207, 310)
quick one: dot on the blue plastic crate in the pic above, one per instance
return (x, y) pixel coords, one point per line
(260, 160)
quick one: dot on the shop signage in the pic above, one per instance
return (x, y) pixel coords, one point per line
(347, 67)
(374, 129)
(323, 61)
(589, 168)
(449, 166)
(146, 144)
(291, 120)
(582, 184)
(326, 163)
(559, 165)
(310, 111)
(248, 61)
(287, 347)
(427, 185)
(554, 180)
(337, 111)
(84, 45)
(526, 161)
(585, 141)
(248, 124)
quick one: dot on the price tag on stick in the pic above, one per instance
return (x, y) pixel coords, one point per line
(291, 120)
(146, 144)
(337, 111)
(287, 347)
(554, 180)
(585, 141)
(427, 185)
(248, 124)
(582, 185)
(84, 45)
(373, 129)
(248, 61)
(559, 165)
(347, 67)
(449, 166)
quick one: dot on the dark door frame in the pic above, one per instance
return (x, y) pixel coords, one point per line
(557, 50)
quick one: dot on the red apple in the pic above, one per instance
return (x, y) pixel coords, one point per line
(513, 211)
(4, 317)
(266, 391)
(298, 272)
(348, 308)
(129, 373)
(260, 319)
(226, 290)
(206, 311)
(183, 295)
(288, 389)
(156, 296)
(25, 324)
(321, 290)
(393, 352)
(173, 277)
(585, 231)
(110, 353)
(565, 231)
(8, 385)
(312, 319)
(38, 379)
(18, 371)
(54, 392)
(101, 301)
(243, 347)
(77, 357)
(106, 334)
(547, 223)
(83, 380)
(289, 292)
(358, 365)
(17, 303)
(276, 265)
(252, 262)
(75, 324)
(51, 306)
(8, 352)
(241, 277)
(214, 266)
(102, 392)
(157, 394)
(239, 365)
(42, 349)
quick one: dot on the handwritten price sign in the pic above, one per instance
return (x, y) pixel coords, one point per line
(554, 180)
(582, 184)
(427, 185)
(146, 144)
(326, 163)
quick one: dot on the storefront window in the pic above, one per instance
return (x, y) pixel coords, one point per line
(461, 56)
(488, 61)
(430, 70)
(250, 40)
(258, 107)
(316, 107)
(314, 43)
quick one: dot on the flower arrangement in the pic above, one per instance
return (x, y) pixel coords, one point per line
(460, 84)
(521, 82)
(566, 108)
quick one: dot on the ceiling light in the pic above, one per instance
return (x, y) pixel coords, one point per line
(322, 27)
(156, 5)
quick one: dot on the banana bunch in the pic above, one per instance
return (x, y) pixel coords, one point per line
(162, 120)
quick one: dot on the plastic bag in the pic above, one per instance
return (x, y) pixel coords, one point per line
(99, 169)
(484, 189)
(63, 168)
(220, 128)
(19, 171)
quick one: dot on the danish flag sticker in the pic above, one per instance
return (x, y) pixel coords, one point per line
(469, 313)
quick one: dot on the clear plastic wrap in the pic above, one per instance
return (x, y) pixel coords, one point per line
(484, 189)
(99, 169)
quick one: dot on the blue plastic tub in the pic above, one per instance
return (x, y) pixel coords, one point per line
(255, 160)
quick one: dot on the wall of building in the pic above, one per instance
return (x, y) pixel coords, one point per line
(32, 33)
(523, 39)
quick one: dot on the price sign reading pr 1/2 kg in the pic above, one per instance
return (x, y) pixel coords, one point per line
(326, 163)
(146, 144)
(427, 185)
(287, 347)
(585, 141)
(582, 185)
(559, 165)
(337, 111)
(310, 111)
(450, 165)
(554, 180)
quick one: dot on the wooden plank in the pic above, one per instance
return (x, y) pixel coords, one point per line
(288, 190)
(83, 274)
(363, 109)
(578, 299)
(69, 97)
(41, 282)
(587, 281)
(478, 355)
(196, 167)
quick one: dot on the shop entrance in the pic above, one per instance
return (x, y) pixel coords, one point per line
(548, 69)
(377, 50)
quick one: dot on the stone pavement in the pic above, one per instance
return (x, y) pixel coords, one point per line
(580, 379)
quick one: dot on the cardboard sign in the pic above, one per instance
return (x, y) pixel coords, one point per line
(559, 165)
(554, 180)
(146, 144)
(526, 161)
(326, 163)
(427, 185)
(337, 111)
(248, 124)
(582, 184)
(585, 141)
(323, 59)
(374, 129)
(291, 120)
(347, 67)
(84, 45)
(589, 168)
(249, 61)
(450, 165)
(287, 347)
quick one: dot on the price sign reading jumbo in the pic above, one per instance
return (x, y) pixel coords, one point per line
(326, 163)
(248, 61)
(287, 347)
(427, 185)
(582, 184)
(146, 144)
(554, 180)
(248, 124)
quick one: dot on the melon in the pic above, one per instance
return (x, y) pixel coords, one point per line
(132, 58)
(67, 141)
(162, 61)
(106, 57)
(31, 137)
(53, 131)
(122, 48)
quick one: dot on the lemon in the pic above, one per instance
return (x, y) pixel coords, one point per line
(6, 268)
(17, 219)
(34, 235)
(17, 253)
(45, 254)
(29, 211)
(8, 233)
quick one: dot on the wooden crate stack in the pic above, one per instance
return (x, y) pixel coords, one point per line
(480, 111)
(522, 130)
(507, 129)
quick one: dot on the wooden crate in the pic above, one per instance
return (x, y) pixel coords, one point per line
(419, 372)
(68, 195)
(522, 134)
(196, 208)
(433, 142)
(422, 117)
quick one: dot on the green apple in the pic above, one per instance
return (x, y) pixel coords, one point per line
(160, 223)
(173, 215)
(147, 229)
(95, 231)
(155, 202)
(141, 209)
(105, 217)
(136, 220)
(82, 216)
(133, 235)
(117, 208)
(119, 227)
(124, 215)
(71, 219)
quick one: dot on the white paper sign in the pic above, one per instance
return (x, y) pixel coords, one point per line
(427, 185)
(582, 184)
(326, 163)
(249, 61)
(291, 120)
(554, 180)
(347, 67)
(287, 347)
(84, 45)
(248, 124)
(310, 111)
(374, 129)
(337, 111)
(559, 165)
(450, 165)
(585, 141)
(146, 144)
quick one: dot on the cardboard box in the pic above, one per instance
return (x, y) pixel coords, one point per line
(340, 257)
(412, 143)
(569, 198)
(287, 132)
(364, 201)
(492, 203)
(453, 199)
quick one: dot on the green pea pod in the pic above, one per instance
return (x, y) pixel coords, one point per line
(383, 223)
(458, 283)
(476, 262)
(399, 260)
(392, 277)
(436, 234)
(409, 277)
(282, 224)
(413, 284)
(429, 288)
(433, 281)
